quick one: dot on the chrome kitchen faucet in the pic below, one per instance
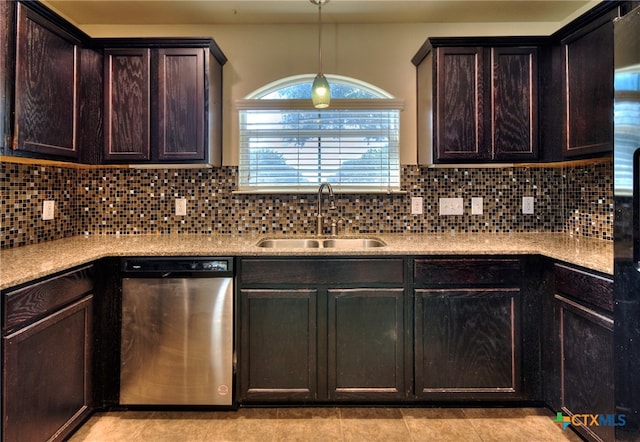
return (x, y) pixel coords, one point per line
(332, 200)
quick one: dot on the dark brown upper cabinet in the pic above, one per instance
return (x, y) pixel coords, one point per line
(7, 57)
(578, 90)
(477, 100)
(459, 99)
(588, 90)
(181, 104)
(127, 104)
(69, 97)
(514, 103)
(163, 101)
(55, 85)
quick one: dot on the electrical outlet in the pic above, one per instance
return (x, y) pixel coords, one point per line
(476, 206)
(48, 209)
(181, 207)
(451, 206)
(527, 205)
(416, 205)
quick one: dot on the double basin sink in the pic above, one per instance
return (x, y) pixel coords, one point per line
(320, 243)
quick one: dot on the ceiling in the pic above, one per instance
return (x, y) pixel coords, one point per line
(173, 12)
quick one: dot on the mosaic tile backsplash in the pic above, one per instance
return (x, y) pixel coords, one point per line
(571, 199)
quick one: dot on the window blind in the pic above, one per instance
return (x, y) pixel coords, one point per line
(295, 150)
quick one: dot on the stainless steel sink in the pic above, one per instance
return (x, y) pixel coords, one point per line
(313, 243)
(289, 243)
(361, 243)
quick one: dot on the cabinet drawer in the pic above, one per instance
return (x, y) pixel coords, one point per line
(24, 305)
(593, 289)
(322, 271)
(462, 272)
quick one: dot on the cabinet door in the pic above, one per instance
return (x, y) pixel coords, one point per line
(7, 73)
(181, 107)
(459, 106)
(514, 104)
(586, 365)
(126, 98)
(46, 87)
(47, 375)
(278, 345)
(588, 99)
(466, 343)
(366, 344)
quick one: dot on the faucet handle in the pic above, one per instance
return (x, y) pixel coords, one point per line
(334, 224)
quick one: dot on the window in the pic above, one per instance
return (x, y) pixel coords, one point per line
(288, 146)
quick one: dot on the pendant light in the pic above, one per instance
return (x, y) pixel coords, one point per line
(320, 91)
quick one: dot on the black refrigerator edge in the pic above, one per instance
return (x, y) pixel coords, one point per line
(626, 223)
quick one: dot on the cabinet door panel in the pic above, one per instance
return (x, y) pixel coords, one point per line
(366, 344)
(586, 340)
(459, 103)
(589, 92)
(466, 341)
(47, 375)
(514, 103)
(181, 133)
(46, 82)
(126, 97)
(278, 348)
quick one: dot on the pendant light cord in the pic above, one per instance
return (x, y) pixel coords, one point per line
(320, 36)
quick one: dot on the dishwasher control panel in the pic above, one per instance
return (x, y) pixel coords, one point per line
(153, 265)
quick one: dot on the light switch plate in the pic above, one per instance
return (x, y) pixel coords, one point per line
(476, 206)
(48, 209)
(451, 206)
(527, 205)
(181, 207)
(416, 205)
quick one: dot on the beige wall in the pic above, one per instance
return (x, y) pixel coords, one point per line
(379, 54)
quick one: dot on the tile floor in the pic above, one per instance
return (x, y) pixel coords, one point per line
(327, 424)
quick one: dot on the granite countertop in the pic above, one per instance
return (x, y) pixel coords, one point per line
(24, 264)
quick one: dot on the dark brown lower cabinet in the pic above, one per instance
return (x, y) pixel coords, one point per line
(467, 343)
(365, 344)
(584, 321)
(314, 330)
(47, 358)
(586, 367)
(467, 329)
(278, 345)
(46, 375)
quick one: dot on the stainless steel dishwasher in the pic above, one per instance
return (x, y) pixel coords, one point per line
(177, 331)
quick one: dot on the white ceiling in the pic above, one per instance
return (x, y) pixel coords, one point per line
(132, 12)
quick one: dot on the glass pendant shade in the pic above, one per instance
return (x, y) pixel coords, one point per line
(320, 92)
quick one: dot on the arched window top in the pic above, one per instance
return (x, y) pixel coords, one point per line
(298, 87)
